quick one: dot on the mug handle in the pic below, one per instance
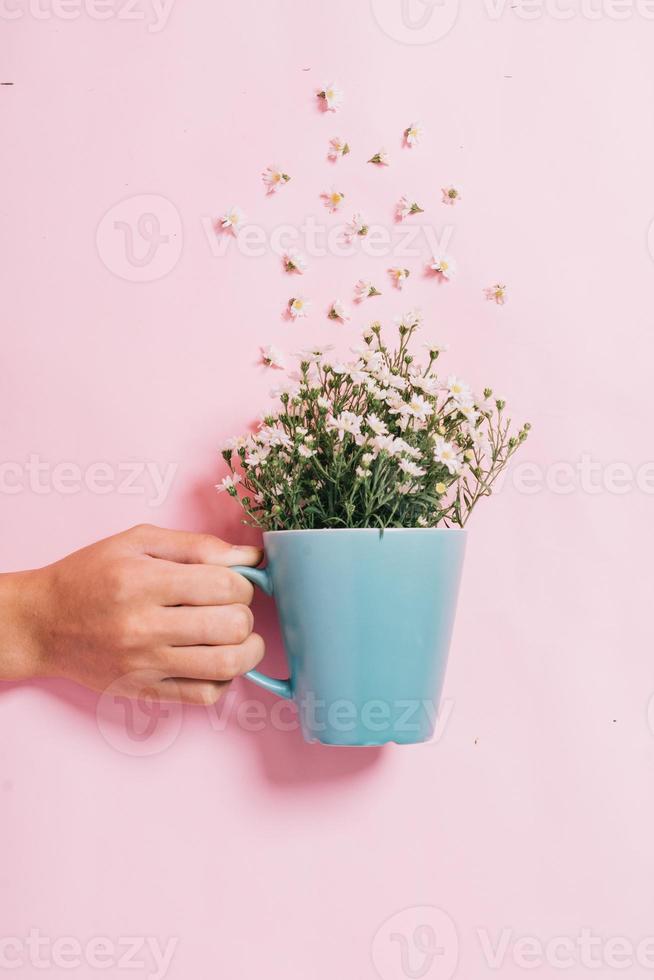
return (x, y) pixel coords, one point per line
(261, 577)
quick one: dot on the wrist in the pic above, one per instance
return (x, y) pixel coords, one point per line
(21, 649)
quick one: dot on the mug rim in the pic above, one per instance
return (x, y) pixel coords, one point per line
(370, 530)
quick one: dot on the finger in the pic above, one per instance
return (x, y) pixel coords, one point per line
(181, 691)
(185, 546)
(188, 626)
(174, 584)
(215, 663)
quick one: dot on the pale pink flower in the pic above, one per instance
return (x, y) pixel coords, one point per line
(398, 276)
(333, 199)
(330, 97)
(274, 178)
(338, 147)
(496, 293)
(294, 261)
(413, 134)
(450, 195)
(228, 484)
(338, 312)
(356, 226)
(443, 266)
(272, 357)
(363, 289)
(380, 158)
(405, 207)
(233, 219)
(298, 307)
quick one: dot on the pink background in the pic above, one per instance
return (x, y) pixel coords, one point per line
(261, 855)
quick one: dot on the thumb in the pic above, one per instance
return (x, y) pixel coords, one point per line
(191, 548)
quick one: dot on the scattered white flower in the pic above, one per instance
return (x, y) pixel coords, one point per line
(380, 158)
(233, 219)
(413, 134)
(362, 472)
(306, 452)
(338, 312)
(405, 207)
(272, 357)
(443, 266)
(496, 293)
(330, 97)
(274, 178)
(298, 307)
(450, 195)
(332, 199)
(446, 453)
(294, 261)
(338, 147)
(356, 226)
(363, 289)
(435, 349)
(398, 276)
(229, 484)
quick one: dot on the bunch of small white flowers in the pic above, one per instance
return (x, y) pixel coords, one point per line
(381, 440)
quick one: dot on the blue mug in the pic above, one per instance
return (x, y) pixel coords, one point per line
(366, 618)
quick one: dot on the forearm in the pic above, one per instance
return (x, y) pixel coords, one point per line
(19, 628)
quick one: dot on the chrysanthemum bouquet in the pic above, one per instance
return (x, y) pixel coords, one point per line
(380, 441)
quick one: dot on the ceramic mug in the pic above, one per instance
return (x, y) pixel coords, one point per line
(366, 619)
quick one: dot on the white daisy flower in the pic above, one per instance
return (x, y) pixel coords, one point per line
(356, 226)
(380, 158)
(413, 134)
(332, 199)
(458, 389)
(274, 178)
(346, 422)
(411, 469)
(233, 219)
(294, 261)
(418, 407)
(399, 276)
(446, 453)
(443, 266)
(272, 357)
(331, 97)
(405, 207)
(298, 307)
(376, 425)
(306, 452)
(450, 195)
(363, 289)
(338, 147)
(496, 294)
(338, 312)
(229, 484)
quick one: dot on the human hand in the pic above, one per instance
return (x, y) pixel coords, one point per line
(145, 607)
